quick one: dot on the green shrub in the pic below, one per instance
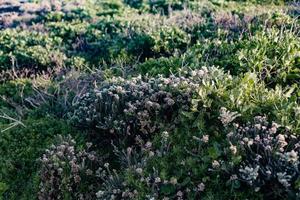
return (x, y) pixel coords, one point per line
(29, 49)
(274, 54)
(20, 149)
(135, 3)
(161, 65)
(163, 6)
(110, 8)
(15, 91)
(169, 40)
(215, 52)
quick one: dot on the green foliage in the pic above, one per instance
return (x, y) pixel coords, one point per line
(20, 149)
(274, 54)
(169, 40)
(15, 91)
(181, 99)
(160, 65)
(29, 49)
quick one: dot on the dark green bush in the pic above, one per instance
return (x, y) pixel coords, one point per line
(161, 65)
(15, 91)
(135, 3)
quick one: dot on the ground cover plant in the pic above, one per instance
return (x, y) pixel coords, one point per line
(138, 99)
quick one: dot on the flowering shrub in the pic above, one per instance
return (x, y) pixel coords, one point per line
(269, 156)
(184, 105)
(136, 105)
(67, 172)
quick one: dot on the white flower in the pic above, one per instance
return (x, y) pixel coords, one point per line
(249, 174)
(173, 181)
(129, 150)
(166, 81)
(151, 154)
(165, 135)
(201, 187)
(215, 164)
(258, 126)
(200, 73)
(179, 193)
(292, 156)
(205, 138)
(281, 140)
(233, 149)
(230, 134)
(273, 130)
(250, 142)
(157, 180)
(193, 73)
(148, 145)
(280, 137)
(233, 177)
(257, 138)
(227, 117)
(139, 170)
(100, 193)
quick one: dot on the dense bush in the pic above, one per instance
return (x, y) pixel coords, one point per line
(133, 107)
(161, 65)
(210, 85)
(29, 49)
(274, 54)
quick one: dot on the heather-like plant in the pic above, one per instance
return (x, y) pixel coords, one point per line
(129, 107)
(68, 173)
(268, 157)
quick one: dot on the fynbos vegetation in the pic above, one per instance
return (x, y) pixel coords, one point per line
(158, 99)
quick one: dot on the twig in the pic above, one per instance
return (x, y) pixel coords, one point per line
(14, 123)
